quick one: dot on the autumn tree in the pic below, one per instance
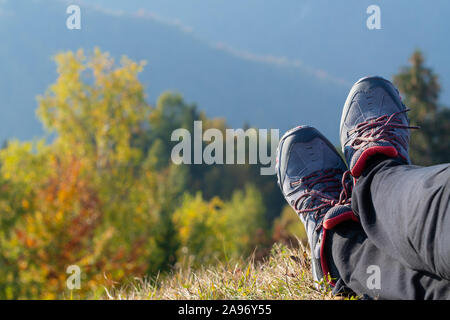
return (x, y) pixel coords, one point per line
(87, 197)
(420, 88)
(99, 190)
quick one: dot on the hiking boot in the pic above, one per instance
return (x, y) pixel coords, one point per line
(374, 122)
(313, 179)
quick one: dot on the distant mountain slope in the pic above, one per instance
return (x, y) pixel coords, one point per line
(324, 34)
(221, 82)
(290, 64)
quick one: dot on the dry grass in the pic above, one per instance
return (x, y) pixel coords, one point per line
(285, 274)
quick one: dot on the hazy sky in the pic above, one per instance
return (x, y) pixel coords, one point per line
(326, 36)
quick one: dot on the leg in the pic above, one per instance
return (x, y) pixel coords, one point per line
(358, 261)
(405, 212)
(403, 209)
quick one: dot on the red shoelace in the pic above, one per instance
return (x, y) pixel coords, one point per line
(373, 130)
(326, 196)
(380, 129)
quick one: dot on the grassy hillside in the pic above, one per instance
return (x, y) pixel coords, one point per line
(285, 274)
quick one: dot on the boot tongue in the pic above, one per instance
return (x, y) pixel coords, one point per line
(337, 215)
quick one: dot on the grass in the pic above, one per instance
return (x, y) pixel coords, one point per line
(285, 274)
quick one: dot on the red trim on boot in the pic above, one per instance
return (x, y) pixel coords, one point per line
(359, 166)
(331, 223)
(328, 225)
(323, 261)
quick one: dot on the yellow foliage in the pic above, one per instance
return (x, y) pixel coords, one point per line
(214, 230)
(72, 201)
(101, 196)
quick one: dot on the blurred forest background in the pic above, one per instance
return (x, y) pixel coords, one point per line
(103, 194)
(96, 187)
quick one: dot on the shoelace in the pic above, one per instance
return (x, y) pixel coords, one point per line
(322, 198)
(380, 129)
